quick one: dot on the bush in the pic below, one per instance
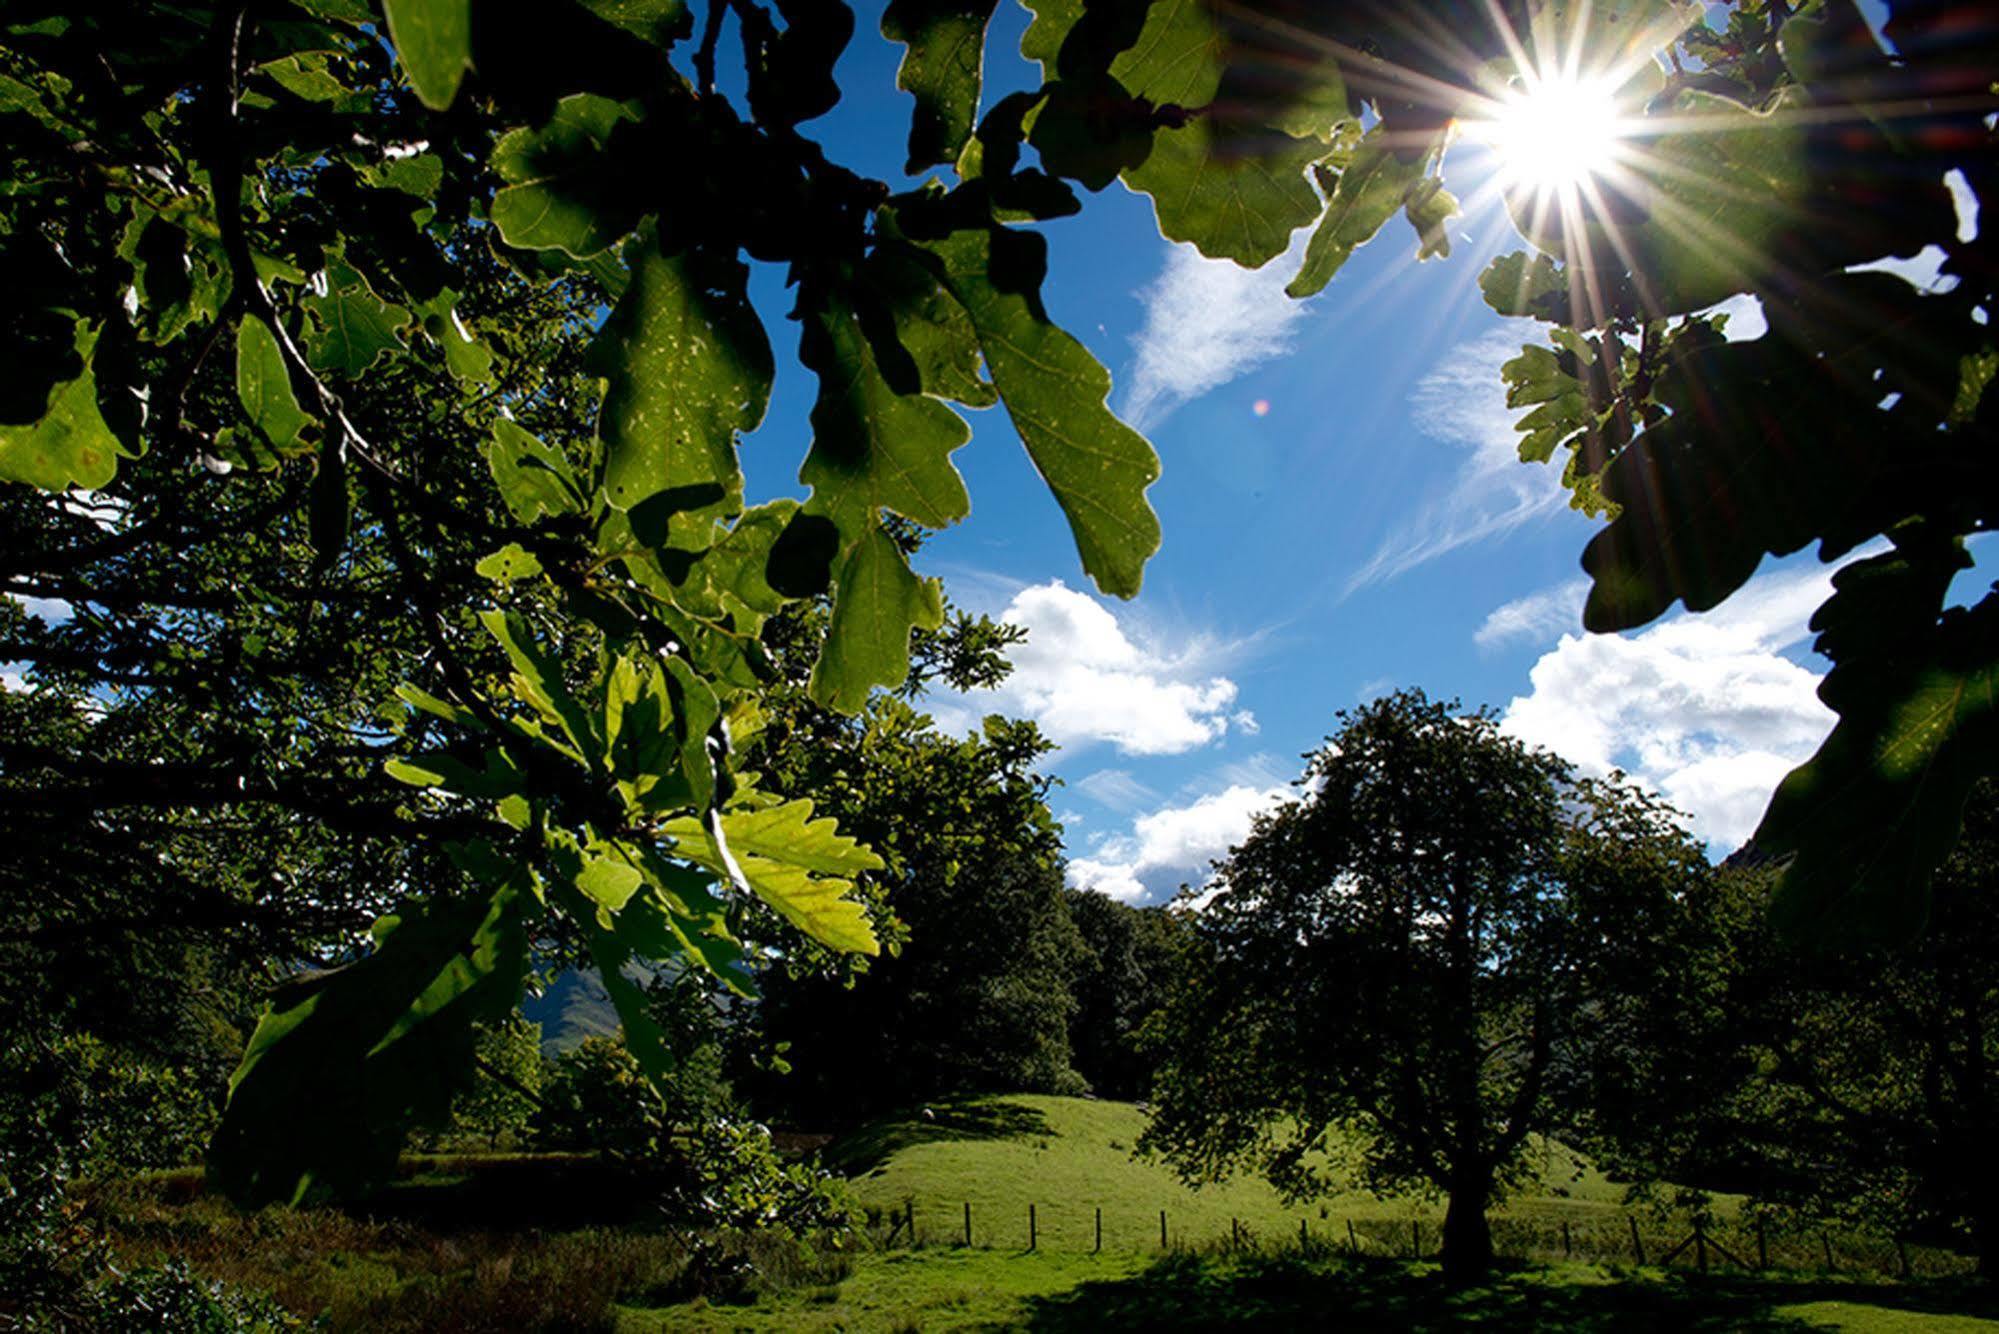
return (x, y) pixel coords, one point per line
(111, 1110)
(713, 1169)
(56, 1273)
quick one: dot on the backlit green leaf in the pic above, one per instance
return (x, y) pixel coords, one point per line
(946, 56)
(433, 40)
(1870, 816)
(781, 851)
(264, 385)
(1236, 191)
(1368, 193)
(1054, 390)
(689, 367)
(661, 22)
(71, 445)
(534, 479)
(537, 681)
(510, 564)
(873, 448)
(878, 601)
(353, 327)
(566, 190)
(344, 1063)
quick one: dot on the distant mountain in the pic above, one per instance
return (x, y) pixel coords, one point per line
(574, 1007)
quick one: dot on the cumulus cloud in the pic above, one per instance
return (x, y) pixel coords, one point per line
(1174, 845)
(1705, 709)
(1536, 618)
(1085, 678)
(1207, 321)
(1491, 492)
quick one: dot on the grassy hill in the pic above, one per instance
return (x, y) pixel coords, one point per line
(1072, 1156)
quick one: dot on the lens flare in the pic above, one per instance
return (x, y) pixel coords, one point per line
(1557, 134)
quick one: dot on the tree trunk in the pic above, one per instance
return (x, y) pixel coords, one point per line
(1467, 1255)
(1985, 1234)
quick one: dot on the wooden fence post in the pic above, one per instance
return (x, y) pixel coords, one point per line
(968, 1223)
(1637, 1246)
(1700, 1244)
(1162, 1229)
(1304, 1242)
(1033, 1237)
(1415, 1239)
(1100, 1231)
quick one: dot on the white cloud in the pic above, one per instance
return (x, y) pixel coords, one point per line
(1536, 618)
(1084, 678)
(1207, 321)
(1704, 709)
(1746, 319)
(1492, 492)
(52, 610)
(1173, 846)
(1924, 269)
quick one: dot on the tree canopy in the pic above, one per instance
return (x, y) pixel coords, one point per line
(279, 271)
(1413, 950)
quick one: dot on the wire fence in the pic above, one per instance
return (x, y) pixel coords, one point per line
(1610, 1237)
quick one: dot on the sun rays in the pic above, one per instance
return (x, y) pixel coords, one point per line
(1556, 135)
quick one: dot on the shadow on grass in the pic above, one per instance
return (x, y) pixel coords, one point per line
(1193, 1291)
(957, 1119)
(553, 1193)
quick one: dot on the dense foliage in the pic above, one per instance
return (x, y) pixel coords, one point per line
(976, 997)
(375, 378)
(1413, 950)
(1132, 963)
(1857, 1083)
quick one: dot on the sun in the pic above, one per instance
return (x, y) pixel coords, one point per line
(1555, 134)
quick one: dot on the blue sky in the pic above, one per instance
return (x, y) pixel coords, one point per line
(1343, 516)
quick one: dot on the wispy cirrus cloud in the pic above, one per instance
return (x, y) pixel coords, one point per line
(1207, 322)
(1463, 404)
(1536, 618)
(1115, 788)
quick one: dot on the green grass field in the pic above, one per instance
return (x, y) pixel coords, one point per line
(527, 1243)
(1070, 1157)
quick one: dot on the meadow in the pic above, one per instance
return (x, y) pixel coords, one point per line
(562, 1243)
